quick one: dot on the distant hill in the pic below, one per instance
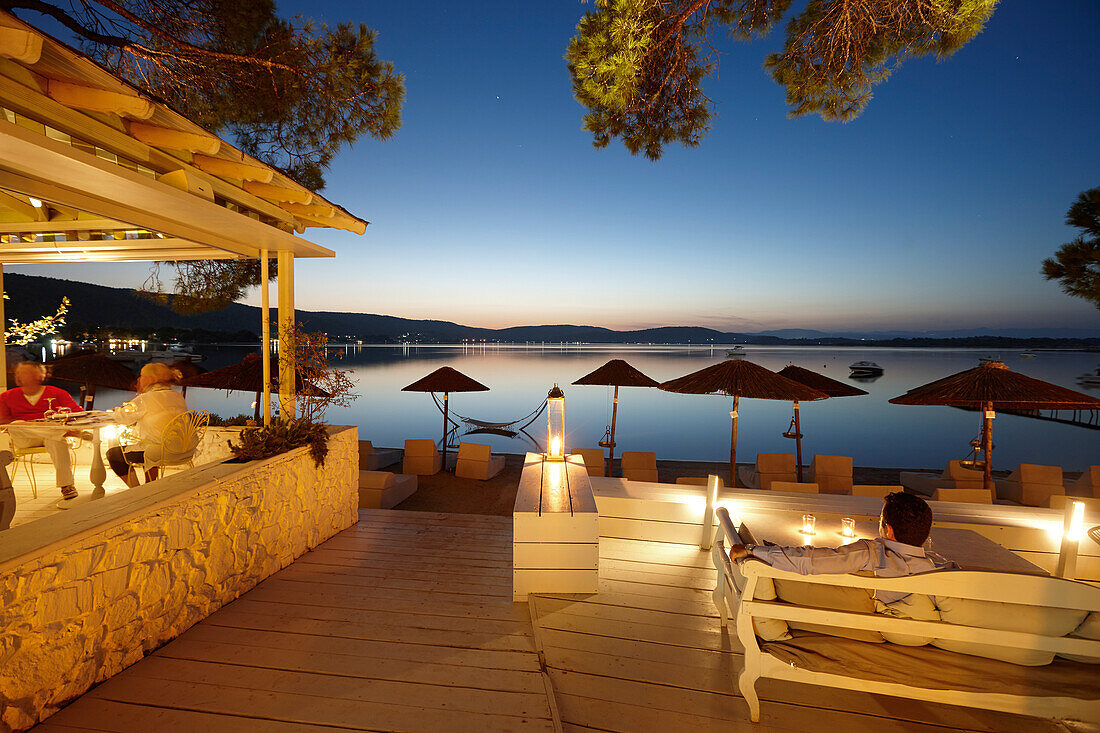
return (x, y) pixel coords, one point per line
(97, 308)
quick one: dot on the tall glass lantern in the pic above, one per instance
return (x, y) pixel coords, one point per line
(555, 425)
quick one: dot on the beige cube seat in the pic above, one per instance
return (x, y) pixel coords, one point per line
(833, 474)
(421, 458)
(965, 496)
(954, 476)
(1032, 485)
(593, 460)
(795, 487)
(1087, 485)
(639, 466)
(477, 461)
(372, 459)
(1059, 501)
(874, 490)
(769, 467)
(383, 489)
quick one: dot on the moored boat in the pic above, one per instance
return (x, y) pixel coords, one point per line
(865, 368)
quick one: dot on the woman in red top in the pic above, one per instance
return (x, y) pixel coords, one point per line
(29, 401)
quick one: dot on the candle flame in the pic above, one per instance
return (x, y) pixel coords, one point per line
(555, 446)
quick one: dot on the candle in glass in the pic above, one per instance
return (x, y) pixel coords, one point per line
(848, 527)
(809, 522)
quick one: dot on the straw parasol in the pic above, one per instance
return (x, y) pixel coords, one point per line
(445, 380)
(187, 369)
(993, 386)
(616, 373)
(739, 378)
(247, 376)
(821, 383)
(91, 370)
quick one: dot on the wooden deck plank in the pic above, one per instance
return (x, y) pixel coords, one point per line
(299, 708)
(364, 688)
(122, 717)
(379, 628)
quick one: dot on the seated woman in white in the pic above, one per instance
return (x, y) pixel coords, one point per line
(150, 412)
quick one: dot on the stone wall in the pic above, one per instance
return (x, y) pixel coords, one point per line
(81, 599)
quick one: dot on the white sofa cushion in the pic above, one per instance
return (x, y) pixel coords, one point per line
(1008, 617)
(830, 597)
(768, 629)
(1088, 629)
(915, 606)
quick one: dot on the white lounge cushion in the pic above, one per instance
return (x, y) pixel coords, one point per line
(831, 597)
(768, 629)
(1007, 617)
(1088, 629)
(914, 606)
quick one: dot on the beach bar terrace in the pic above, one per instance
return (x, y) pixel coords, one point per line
(92, 170)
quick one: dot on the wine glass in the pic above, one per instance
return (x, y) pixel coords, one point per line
(50, 412)
(63, 413)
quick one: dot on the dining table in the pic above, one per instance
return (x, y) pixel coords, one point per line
(92, 421)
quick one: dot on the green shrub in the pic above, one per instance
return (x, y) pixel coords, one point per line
(281, 436)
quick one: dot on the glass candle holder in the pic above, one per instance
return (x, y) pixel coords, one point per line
(809, 524)
(848, 527)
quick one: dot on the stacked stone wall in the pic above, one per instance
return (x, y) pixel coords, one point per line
(79, 611)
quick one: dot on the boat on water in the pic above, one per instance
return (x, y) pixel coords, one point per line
(172, 352)
(737, 352)
(988, 359)
(1090, 379)
(1027, 355)
(865, 369)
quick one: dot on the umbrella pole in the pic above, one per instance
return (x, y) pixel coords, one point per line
(733, 444)
(987, 440)
(256, 411)
(445, 406)
(614, 414)
(797, 442)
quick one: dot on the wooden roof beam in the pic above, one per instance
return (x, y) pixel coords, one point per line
(166, 137)
(91, 99)
(346, 223)
(21, 205)
(232, 169)
(278, 193)
(19, 45)
(314, 211)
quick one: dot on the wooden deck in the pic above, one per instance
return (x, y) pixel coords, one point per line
(405, 623)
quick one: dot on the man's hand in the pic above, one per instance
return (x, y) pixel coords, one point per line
(739, 552)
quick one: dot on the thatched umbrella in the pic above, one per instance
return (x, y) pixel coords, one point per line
(821, 383)
(445, 380)
(616, 373)
(993, 386)
(247, 376)
(91, 370)
(187, 369)
(738, 378)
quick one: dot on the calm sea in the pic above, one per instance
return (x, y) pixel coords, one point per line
(695, 427)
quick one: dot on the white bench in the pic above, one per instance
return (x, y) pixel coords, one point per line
(1004, 587)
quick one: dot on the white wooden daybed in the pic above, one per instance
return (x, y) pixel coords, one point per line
(1062, 690)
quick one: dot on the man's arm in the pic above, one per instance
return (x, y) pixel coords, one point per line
(850, 558)
(5, 413)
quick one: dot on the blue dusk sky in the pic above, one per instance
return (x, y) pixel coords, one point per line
(490, 207)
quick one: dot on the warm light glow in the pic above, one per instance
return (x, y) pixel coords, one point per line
(809, 524)
(555, 425)
(36, 203)
(555, 446)
(848, 527)
(1077, 521)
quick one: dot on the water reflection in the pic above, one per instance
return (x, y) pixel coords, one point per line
(678, 426)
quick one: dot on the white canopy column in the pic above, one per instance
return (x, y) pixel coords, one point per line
(287, 345)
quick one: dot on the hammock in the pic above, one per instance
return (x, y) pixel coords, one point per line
(486, 425)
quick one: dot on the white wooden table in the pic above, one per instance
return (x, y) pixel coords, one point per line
(555, 529)
(966, 547)
(92, 422)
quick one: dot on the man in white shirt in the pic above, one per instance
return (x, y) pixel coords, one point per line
(904, 526)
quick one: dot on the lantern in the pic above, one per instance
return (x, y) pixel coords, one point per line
(555, 425)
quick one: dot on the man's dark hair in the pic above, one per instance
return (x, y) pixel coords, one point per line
(909, 516)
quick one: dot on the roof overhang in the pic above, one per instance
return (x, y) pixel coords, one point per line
(40, 167)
